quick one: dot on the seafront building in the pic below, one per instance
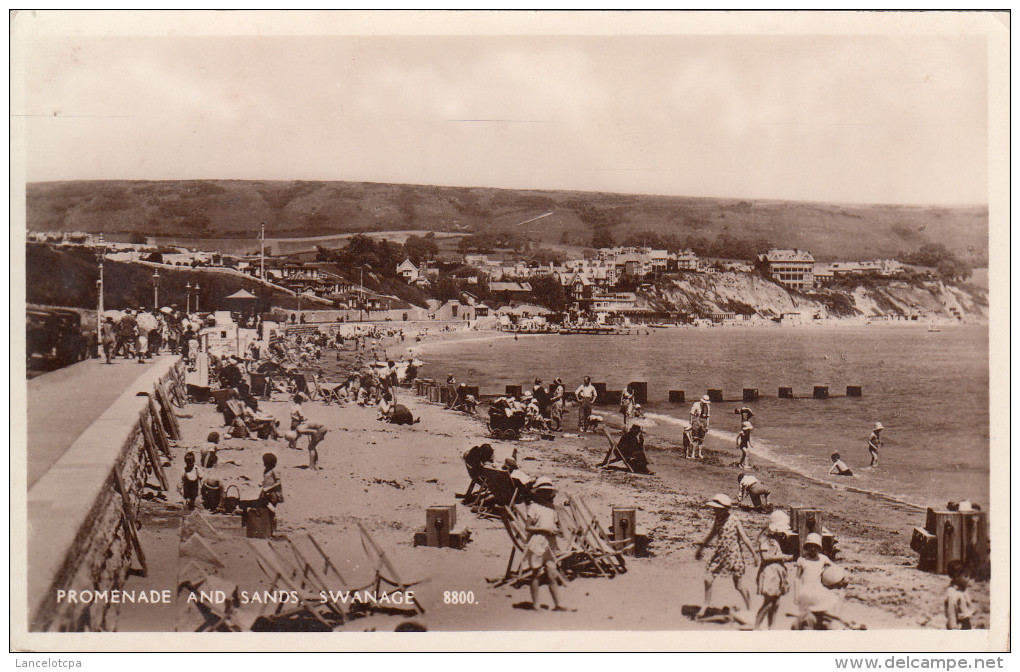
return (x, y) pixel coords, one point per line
(792, 268)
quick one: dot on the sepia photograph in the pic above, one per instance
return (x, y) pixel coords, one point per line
(552, 330)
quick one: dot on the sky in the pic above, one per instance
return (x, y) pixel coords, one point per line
(842, 118)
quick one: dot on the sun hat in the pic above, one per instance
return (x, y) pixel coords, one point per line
(544, 484)
(705, 398)
(833, 576)
(747, 425)
(878, 425)
(527, 393)
(720, 501)
(814, 538)
(779, 522)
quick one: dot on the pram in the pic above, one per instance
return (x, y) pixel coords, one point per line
(502, 426)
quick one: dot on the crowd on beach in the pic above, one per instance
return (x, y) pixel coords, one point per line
(816, 583)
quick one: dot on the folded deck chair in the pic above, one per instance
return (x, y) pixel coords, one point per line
(384, 570)
(284, 577)
(575, 537)
(322, 580)
(606, 550)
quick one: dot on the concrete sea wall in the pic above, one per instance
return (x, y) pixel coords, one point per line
(82, 511)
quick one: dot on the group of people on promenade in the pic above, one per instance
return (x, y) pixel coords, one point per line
(142, 334)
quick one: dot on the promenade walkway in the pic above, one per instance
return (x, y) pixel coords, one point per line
(63, 403)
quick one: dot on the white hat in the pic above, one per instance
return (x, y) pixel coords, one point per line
(705, 398)
(720, 501)
(878, 426)
(814, 538)
(779, 521)
(746, 425)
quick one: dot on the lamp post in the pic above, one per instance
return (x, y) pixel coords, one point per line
(155, 291)
(187, 294)
(99, 286)
(197, 287)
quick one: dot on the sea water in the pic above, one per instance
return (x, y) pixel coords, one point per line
(929, 389)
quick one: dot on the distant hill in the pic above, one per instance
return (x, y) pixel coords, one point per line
(234, 208)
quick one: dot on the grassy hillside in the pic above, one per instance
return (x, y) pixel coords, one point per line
(228, 208)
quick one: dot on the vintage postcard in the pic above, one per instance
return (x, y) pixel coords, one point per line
(574, 331)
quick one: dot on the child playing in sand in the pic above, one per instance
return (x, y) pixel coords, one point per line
(750, 486)
(191, 479)
(839, 467)
(272, 487)
(773, 580)
(959, 609)
(539, 556)
(727, 553)
(208, 454)
(744, 445)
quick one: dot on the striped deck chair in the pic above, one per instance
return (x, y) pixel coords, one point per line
(284, 577)
(608, 553)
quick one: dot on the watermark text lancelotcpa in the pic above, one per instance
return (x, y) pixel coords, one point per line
(47, 662)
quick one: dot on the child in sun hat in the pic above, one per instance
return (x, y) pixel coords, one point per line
(540, 551)
(744, 445)
(874, 443)
(773, 579)
(727, 552)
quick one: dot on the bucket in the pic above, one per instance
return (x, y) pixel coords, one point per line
(230, 502)
(212, 494)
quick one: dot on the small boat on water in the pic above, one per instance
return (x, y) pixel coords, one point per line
(660, 326)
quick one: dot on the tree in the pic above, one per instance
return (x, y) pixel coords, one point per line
(417, 248)
(953, 269)
(602, 238)
(547, 291)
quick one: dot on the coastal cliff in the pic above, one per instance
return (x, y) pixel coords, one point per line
(704, 295)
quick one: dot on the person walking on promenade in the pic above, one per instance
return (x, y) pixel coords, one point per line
(874, 443)
(727, 552)
(586, 394)
(700, 412)
(127, 330)
(109, 338)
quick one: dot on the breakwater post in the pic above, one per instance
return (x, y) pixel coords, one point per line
(600, 393)
(750, 394)
(640, 389)
(853, 391)
(676, 396)
(786, 393)
(821, 392)
(715, 396)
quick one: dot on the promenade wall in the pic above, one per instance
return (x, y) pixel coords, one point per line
(78, 537)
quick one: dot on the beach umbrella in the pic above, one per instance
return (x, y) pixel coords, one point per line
(166, 310)
(147, 321)
(115, 314)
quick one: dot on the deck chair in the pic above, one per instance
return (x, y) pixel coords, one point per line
(498, 492)
(613, 455)
(221, 396)
(574, 536)
(515, 523)
(217, 617)
(283, 576)
(260, 386)
(600, 543)
(326, 578)
(381, 563)
(332, 393)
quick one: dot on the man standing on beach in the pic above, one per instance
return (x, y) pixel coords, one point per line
(700, 412)
(585, 394)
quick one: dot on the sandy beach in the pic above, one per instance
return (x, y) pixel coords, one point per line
(386, 476)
